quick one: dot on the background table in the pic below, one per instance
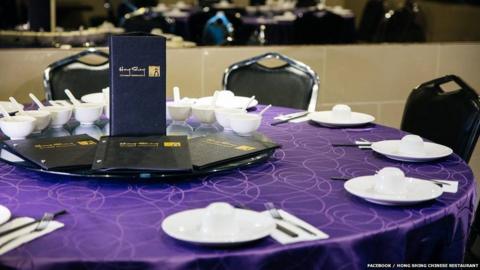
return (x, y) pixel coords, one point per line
(116, 225)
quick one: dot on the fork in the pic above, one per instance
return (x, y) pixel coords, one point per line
(41, 225)
(278, 226)
(276, 215)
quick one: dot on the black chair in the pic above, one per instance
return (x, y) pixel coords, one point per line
(293, 84)
(372, 16)
(324, 27)
(80, 77)
(449, 118)
(196, 24)
(145, 20)
(403, 25)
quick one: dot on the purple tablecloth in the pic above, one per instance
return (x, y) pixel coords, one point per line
(116, 225)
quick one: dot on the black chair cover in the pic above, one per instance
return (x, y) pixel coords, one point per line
(284, 86)
(80, 77)
(448, 118)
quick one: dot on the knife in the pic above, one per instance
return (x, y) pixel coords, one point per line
(278, 226)
(286, 231)
(289, 117)
(56, 214)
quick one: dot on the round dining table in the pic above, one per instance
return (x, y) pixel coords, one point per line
(116, 223)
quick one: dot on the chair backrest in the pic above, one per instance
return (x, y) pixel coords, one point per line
(372, 16)
(449, 118)
(293, 84)
(403, 25)
(145, 20)
(323, 27)
(80, 77)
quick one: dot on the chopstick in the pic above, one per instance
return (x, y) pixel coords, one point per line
(347, 178)
(340, 178)
(288, 119)
(344, 145)
(349, 144)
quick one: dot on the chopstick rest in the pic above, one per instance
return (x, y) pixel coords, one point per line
(284, 239)
(25, 233)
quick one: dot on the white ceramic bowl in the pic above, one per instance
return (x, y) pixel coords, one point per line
(219, 219)
(245, 124)
(390, 181)
(87, 113)
(60, 115)
(411, 145)
(179, 111)
(106, 101)
(341, 112)
(204, 113)
(17, 127)
(223, 116)
(42, 119)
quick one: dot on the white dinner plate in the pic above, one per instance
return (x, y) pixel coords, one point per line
(389, 148)
(93, 98)
(417, 191)
(9, 106)
(228, 102)
(186, 226)
(325, 118)
(4, 214)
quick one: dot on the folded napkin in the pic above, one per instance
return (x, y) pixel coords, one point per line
(450, 187)
(284, 239)
(24, 234)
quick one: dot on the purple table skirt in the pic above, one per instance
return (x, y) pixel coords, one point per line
(116, 225)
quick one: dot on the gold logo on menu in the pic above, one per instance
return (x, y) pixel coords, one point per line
(128, 144)
(153, 71)
(172, 144)
(87, 142)
(245, 148)
(53, 145)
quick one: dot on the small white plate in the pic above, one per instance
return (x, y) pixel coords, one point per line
(186, 226)
(389, 148)
(325, 118)
(229, 102)
(93, 98)
(417, 191)
(4, 214)
(9, 106)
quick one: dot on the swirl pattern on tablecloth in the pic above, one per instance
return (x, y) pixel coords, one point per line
(117, 224)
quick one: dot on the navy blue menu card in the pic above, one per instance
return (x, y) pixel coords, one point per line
(151, 153)
(137, 85)
(60, 153)
(221, 148)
